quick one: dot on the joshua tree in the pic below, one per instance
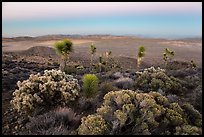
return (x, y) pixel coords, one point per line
(63, 48)
(193, 64)
(90, 85)
(108, 58)
(108, 53)
(93, 51)
(100, 63)
(140, 55)
(167, 52)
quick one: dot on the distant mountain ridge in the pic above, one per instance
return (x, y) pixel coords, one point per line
(61, 36)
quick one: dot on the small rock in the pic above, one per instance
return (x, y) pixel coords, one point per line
(16, 127)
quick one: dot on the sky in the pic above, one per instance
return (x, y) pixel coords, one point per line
(149, 19)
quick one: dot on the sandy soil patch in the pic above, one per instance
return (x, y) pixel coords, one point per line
(24, 45)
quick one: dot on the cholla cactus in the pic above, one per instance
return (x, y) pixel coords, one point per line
(51, 88)
(152, 79)
(130, 112)
(92, 125)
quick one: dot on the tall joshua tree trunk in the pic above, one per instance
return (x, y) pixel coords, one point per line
(140, 55)
(92, 50)
(138, 62)
(63, 48)
(63, 65)
(91, 62)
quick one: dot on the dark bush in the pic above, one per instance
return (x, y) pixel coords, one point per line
(124, 83)
(61, 121)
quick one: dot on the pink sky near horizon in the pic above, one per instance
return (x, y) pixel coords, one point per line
(32, 10)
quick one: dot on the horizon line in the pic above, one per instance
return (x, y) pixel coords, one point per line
(119, 35)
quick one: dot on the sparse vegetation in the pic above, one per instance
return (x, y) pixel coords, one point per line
(140, 55)
(193, 64)
(63, 48)
(167, 55)
(109, 99)
(61, 121)
(93, 51)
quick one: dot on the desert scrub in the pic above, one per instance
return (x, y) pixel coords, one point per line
(124, 83)
(105, 87)
(92, 125)
(61, 121)
(187, 130)
(152, 79)
(192, 114)
(90, 85)
(132, 112)
(52, 88)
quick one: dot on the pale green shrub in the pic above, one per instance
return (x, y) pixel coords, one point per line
(130, 112)
(90, 85)
(152, 79)
(52, 88)
(92, 125)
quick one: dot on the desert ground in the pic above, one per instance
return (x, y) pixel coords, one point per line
(185, 50)
(24, 56)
